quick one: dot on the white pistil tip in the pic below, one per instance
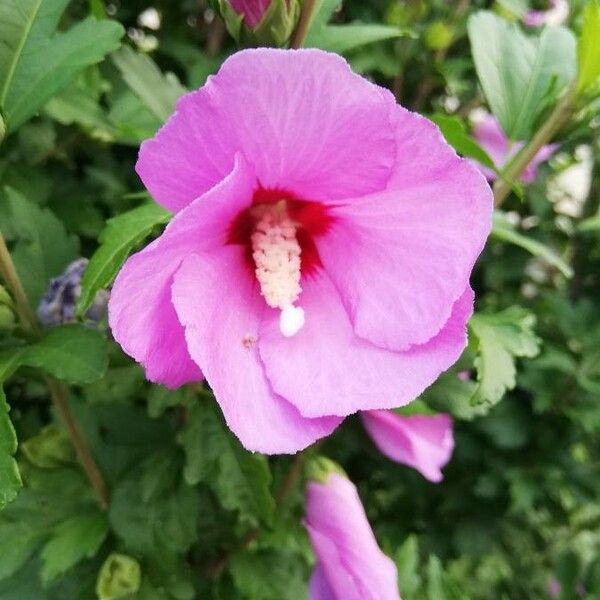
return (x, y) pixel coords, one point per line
(291, 320)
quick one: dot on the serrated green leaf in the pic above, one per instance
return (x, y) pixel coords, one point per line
(72, 353)
(501, 338)
(71, 541)
(122, 233)
(240, 479)
(588, 48)
(504, 231)
(268, 576)
(119, 577)
(407, 561)
(10, 479)
(41, 247)
(453, 129)
(521, 75)
(36, 61)
(342, 38)
(439, 585)
(157, 91)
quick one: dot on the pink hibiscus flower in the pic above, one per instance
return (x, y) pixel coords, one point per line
(318, 263)
(423, 442)
(350, 564)
(556, 14)
(489, 135)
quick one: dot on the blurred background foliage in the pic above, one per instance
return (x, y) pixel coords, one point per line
(191, 514)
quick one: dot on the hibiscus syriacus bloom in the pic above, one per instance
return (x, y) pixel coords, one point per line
(489, 135)
(318, 262)
(423, 442)
(350, 564)
(556, 13)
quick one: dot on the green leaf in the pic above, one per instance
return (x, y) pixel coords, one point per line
(73, 353)
(342, 38)
(10, 479)
(36, 61)
(521, 75)
(501, 338)
(119, 577)
(453, 129)
(240, 479)
(504, 231)
(268, 576)
(407, 561)
(156, 90)
(588, 48)
(122, 233)
(590, 225)
(439, 585)
(73, 540)
(41, 247)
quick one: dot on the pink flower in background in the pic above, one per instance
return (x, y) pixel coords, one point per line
(422, 442)
(489, 135)
(350, 564)
(318, 262)
(251, 10)
(556, 14)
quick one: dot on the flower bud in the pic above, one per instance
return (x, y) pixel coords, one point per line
(319, 468)
(260, 22)
(58, 305)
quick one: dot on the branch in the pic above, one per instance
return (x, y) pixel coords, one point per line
(301, 31)
(557, 119)
(57, 389)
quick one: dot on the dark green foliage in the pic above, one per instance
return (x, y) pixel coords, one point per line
(190, 513)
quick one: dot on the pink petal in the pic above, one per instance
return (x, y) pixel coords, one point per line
(422, 442)
(217, 300)
(325, 369)
(492, 139)
(545, 152)
(318, 587)
(401, 258)
(141, 314)
(251, 10)
(348, 555)
(489, 135)
(302, 119)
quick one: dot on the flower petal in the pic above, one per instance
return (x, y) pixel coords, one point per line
(141, 314)
(318, 587)
(422, 442)
(303, 120)
(351, 561)
(217, 300)
(401, 258)
(326, 369)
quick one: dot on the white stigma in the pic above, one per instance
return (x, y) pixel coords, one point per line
(276, 254)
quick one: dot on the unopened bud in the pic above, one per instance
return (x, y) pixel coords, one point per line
(260, 22)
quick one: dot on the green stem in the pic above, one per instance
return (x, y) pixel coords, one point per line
(544, 135)
(57, 390)
(11, 277)
(301, 31)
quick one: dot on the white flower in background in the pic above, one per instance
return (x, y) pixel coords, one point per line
(150, 18)
(569, 189)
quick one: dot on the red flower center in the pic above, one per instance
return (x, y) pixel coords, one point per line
(311, 219)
